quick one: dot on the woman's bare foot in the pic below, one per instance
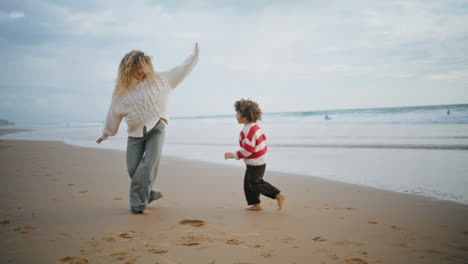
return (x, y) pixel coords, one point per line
(280, 199)
(147, 212)
(256, 207)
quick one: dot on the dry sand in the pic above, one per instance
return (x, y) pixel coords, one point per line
(66, 204)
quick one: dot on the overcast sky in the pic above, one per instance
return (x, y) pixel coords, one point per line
(60, 58)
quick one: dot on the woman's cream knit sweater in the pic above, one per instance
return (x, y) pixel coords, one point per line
(146, 103)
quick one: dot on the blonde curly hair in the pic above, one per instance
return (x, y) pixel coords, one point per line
(127, 67)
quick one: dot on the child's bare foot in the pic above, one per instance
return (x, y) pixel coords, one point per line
(147, 212)
(256, 207)
(280, 199)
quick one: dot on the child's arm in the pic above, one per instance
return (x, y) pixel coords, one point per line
(240, 154)
(247, 148)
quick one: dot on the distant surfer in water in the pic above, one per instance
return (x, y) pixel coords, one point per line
(327, 118)
(448, 112)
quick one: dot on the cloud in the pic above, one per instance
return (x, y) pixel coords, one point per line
(13, 15)
(319, 51)
(450, 76)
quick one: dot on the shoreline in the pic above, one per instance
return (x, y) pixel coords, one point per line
(67, 204)
(6, 131)
(237, 166)
(404, 190)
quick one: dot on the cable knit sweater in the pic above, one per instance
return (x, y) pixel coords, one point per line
(146, 103)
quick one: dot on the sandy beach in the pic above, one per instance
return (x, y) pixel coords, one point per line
(67, 204)
(4, 131)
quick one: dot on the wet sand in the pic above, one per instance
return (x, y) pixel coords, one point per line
(5, 131)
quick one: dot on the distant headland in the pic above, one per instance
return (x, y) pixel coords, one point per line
(4, 122)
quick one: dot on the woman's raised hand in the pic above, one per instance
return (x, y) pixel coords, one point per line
(196, 50)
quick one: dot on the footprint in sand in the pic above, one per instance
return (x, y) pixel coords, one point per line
(73, 260)
(24, 229)
(255, 246)
(434, 251)
(192, 240)
(5, 222)
(109, 239)
(123, 255)
(319, 239)
(348, 243)
(372, 222)
(83, 191)
(465, 233)
(193, 222)
(118, 198)
(233, 242)
(356, 261)
(159, 251)
(71, 185)
(189, 244)
(156, 250)
(128, 234)
(405, 245)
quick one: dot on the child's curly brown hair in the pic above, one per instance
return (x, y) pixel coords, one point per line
(248, 109)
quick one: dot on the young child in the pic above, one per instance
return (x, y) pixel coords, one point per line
(253, 150)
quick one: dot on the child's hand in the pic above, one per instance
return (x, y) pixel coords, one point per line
(228, 155)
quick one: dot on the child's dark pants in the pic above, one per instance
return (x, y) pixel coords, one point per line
(254, 185)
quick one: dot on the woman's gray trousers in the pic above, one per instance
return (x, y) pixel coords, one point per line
(143, 155)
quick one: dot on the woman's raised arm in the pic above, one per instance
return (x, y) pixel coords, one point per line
(177, 74)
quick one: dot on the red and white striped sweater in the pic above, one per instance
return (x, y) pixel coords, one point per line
(253, 147)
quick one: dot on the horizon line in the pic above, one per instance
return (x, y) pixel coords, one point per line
(311, 111)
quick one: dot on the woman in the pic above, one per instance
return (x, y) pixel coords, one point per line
(141, 97)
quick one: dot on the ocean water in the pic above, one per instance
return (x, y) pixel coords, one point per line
(420, 150)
